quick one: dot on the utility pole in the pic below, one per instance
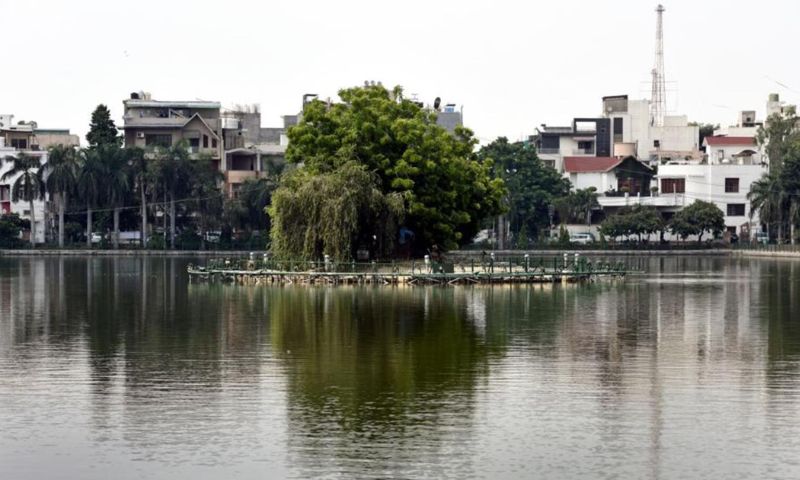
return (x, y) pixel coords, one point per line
(658, 96)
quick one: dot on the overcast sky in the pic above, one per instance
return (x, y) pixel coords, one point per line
(512, 65)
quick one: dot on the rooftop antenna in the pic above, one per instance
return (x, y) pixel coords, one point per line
(658, 96)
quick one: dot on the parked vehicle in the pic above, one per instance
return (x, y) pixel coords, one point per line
(581, 238)
(213, 237)
(96, 237)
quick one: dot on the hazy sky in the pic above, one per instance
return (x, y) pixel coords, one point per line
(513, 65)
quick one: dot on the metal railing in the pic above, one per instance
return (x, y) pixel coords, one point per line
(583, 151)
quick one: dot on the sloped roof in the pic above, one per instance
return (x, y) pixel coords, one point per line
(723, 141)
(590, 164)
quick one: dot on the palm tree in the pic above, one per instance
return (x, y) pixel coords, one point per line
(91, 178)
(118, 186)
(767, 197)
(172, 171)
(61, 173)
(28, 186)
(206, 195)
(137, 164)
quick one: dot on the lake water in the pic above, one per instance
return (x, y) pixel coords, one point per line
(119, 368)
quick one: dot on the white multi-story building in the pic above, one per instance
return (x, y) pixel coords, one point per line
(724, 184)
(21, 208)
(26, 137)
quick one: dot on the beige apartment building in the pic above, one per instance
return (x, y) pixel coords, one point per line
(149, 124)
(234, 139)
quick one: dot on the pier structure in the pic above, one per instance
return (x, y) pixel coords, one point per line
(257, 270)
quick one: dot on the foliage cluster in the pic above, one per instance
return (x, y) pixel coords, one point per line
(446, 191)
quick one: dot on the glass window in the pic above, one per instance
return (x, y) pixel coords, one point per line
(205, 141)
(673, 185)
(736, 209)
(213, 143)
(731, 185)
(158, 140)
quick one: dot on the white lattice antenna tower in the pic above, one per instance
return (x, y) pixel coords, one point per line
(658, 97)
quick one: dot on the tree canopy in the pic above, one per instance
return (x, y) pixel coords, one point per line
(445, 189)
(638, 220)
(698, 218)
(333, 213)
(577, 205)
(532, 187)
(102, 129)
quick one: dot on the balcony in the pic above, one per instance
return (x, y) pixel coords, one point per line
(583, 151)
(663, 200)
(549, 151)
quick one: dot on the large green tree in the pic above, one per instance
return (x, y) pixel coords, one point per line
(28, 186)
(446, 190)
(532, 186)
(102, 130)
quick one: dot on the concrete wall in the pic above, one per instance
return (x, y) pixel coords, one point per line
(602, 181)
(675, 135)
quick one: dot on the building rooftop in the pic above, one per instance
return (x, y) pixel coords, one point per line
(590, 164)
(199, 104)
(723, 141)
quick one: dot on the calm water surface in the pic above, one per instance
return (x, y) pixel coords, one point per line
(119, 368)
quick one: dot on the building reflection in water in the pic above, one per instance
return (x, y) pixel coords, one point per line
(632, 378)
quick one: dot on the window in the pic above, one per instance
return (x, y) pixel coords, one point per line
(618, 126)
(213, 143)
(736, 209)
(158, 140)
(656, 143)
(673, 185)
(205, 141)
(19, 143)
(618, 130)
(194, 143)
(731, 185)
(585, 145)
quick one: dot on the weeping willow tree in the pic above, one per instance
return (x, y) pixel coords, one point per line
(333, 213)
